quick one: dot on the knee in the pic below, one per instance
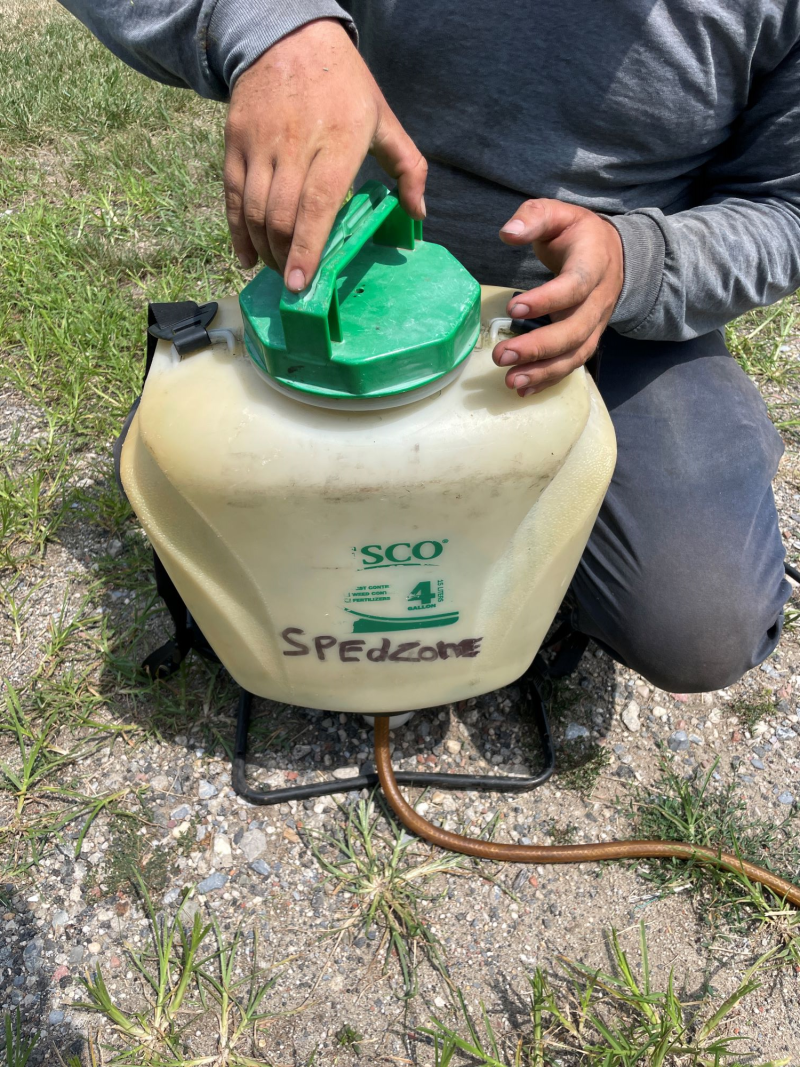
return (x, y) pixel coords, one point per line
(695, 640)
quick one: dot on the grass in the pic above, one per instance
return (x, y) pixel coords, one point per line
(615, 1018)
(702, 812)
(390, 876)
(40, 758)
(760, 340)
(190, 971)
(113, 186)
(47, 796)
(564, 697)
(581, 766)
(17, 1048)
(347, 1037)
(581, 762)
(766, 342)
(131, 860)
(751, 710)
(566, 834)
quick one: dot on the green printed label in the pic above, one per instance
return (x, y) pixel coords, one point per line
(376, 623)
(400, 554)
(406, 603)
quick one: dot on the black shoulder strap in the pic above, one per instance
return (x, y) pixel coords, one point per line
(185, 323)
(165, 660)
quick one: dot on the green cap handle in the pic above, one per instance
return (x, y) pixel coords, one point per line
(310, 319)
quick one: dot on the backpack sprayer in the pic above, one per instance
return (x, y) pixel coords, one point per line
(350, 511)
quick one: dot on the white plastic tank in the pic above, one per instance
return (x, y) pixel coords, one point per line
(395, 533)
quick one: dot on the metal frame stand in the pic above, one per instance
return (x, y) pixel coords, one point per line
(534, 705)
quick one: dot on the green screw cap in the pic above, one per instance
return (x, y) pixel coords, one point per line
(385, 313)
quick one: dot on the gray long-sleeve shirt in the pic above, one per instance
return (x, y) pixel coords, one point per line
(679, 119)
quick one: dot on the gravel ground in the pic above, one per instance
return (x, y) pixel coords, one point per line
(253, 865)
(85, 615)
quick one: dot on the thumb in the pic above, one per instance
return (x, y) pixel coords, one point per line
(403, 161)
(538, 220)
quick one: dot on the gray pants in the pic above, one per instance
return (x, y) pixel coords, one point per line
(683, 578)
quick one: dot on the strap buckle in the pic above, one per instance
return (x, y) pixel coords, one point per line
(188, 333)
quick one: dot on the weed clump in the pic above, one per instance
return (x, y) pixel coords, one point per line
(710, 814)
(581, 766)
(348, 1037)
(391, 874)
(131, 858)
(751, 710)
(613, 1018)
(189, 970)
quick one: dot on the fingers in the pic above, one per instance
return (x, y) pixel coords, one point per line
(560, 338)
(301, 119)
(532, 378)
(323, 193)
(539, 220)
(570, 288)
(289, 212)
(400, 158)
(585, 253)
(254, 208)
(234, 181)
(285, 192)
(285, 216)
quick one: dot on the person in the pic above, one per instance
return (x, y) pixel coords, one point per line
(641, 161)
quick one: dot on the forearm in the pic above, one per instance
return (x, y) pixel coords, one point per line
(202, 45)
(692, 272)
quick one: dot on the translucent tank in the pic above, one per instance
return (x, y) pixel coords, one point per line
(359, 557)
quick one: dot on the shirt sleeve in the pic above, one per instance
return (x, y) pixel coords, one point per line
(202, 45)
(693, 271)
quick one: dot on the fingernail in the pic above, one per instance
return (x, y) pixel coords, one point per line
(422, 208)
(508, 357)
(244, 262)
(519, 311)
(528, 392)
(521, 381)
(296, 280)
(514, 226)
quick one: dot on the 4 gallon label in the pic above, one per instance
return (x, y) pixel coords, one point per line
(399, 585)
(400, 589)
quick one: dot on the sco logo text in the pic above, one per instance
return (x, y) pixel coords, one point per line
(401, 552)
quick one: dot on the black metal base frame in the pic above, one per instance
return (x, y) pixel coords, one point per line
(533, 704)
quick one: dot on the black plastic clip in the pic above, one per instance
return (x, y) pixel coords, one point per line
(187, 333)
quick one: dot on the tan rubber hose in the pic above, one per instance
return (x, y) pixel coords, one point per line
(606, 850)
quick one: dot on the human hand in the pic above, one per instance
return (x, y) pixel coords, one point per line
(301, 120)
(585, 253)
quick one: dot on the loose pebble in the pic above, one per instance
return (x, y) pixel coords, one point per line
(345, 772)
(630, 717)
(678, 741)
(574, 731)
(216, 880)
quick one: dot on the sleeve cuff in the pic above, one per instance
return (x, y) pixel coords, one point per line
(239, 31)
(643, 250)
